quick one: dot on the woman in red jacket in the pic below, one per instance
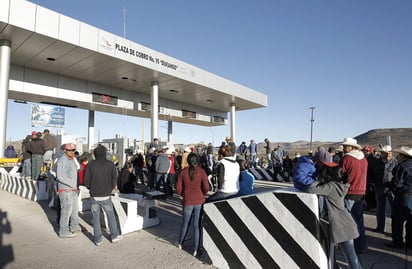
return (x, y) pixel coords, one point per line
(192, 185)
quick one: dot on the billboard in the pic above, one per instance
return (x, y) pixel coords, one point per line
(48, 116)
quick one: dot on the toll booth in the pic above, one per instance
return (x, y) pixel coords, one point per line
(62, 138)
(120, 147)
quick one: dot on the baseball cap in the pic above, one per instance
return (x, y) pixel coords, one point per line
(70, 146)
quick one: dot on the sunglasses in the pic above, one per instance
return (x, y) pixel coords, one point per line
(70, 150)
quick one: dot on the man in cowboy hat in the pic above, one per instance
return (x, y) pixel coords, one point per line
(355, 166)
(401, 185)
(380, 172)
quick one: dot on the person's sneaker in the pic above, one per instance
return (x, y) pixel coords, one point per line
(98, 243)
(178, 245)
(117, 239)
(78, 230)
(195, 253)
(69, 235)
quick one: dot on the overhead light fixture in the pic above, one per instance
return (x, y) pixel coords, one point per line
(51, 59)
(57, 104)
(173, 91)
(125, 78)
(20, 101)
(209, 100)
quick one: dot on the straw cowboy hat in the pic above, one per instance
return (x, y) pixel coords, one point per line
(404, 150)
(339, 148)
(347, 141)
(386, 148)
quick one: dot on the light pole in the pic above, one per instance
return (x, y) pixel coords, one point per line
(311, 126)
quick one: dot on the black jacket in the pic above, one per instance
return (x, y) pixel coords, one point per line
(100, 176)
(36, 146)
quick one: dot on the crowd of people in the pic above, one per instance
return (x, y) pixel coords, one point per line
(36, 152)
(347, 179)
(344, 178)
(190, 172)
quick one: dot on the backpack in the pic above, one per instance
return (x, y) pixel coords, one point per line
(10, 152)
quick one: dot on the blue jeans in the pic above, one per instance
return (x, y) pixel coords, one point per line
(26, 169)
(138, 171)
(162, 179)
(69, 212)
(210, 160)
(188, 211)
(36, 164)
(252, 159)
(348, 250)
(107, 206)
(356, 210)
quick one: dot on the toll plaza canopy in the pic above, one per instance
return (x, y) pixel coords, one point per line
(49, 58)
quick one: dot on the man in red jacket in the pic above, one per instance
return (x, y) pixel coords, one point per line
(355, 167)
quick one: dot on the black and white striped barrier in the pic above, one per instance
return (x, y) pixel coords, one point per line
(260, 173)
(255, 173)
(26, 188)
(277, 229)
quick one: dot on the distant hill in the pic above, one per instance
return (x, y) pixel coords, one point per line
(398, 137)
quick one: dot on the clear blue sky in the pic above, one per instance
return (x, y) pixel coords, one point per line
(350, 59)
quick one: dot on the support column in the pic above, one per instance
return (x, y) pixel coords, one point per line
(169, 130)
(233, 121)
(154, 117)
(5, 54)
(90, 133)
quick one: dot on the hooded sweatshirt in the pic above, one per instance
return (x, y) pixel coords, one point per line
(342, 226)
(66, 173)
(100, 176)
(304, 174)
(355, 165)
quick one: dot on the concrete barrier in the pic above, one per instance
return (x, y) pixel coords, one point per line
(276, 229)
(261, 173)
(255, 173)
(9, 165)
(265, 174)
(26, 188)
(84, 201)
(134, 212)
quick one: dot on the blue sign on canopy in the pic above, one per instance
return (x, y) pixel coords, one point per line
(49, 116)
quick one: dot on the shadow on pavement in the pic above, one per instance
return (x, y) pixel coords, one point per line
(6, 252)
